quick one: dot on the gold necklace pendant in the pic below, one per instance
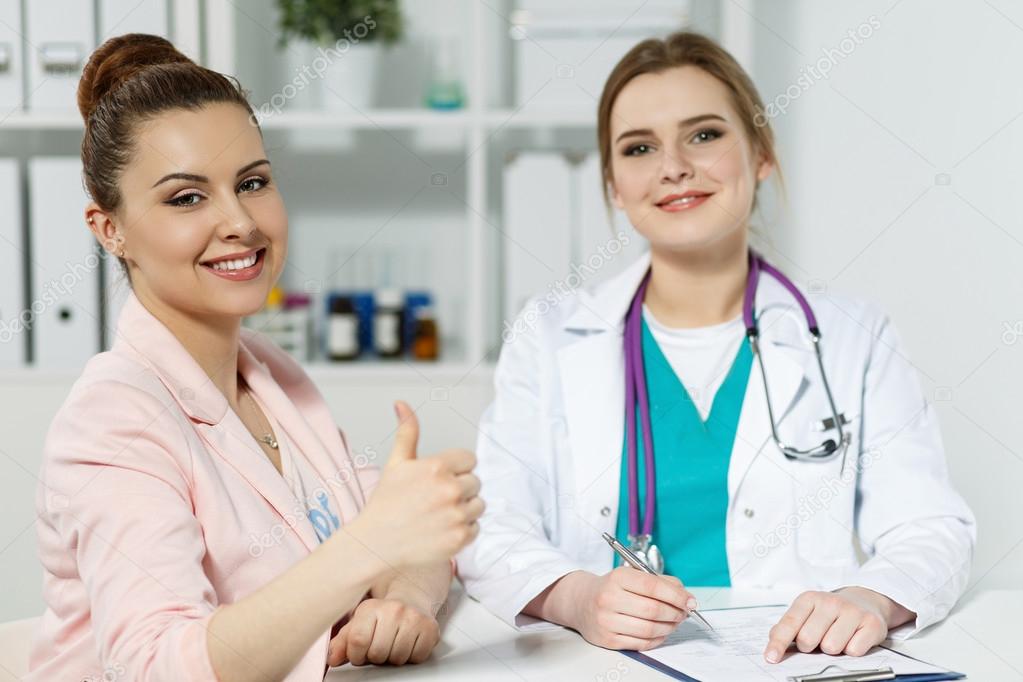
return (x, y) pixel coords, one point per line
(267, 438)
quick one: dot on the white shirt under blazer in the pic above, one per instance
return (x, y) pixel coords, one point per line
(550, 451)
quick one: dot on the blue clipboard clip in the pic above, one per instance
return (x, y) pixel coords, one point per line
(833, 673)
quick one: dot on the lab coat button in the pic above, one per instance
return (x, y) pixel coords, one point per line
(605, 511)
(748, 512)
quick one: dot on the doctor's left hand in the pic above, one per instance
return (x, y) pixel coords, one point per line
(851, 620)
(385, 631)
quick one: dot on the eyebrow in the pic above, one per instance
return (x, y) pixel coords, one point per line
(192, 177)
(641, 132)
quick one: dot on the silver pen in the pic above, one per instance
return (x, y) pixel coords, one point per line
(629, 557)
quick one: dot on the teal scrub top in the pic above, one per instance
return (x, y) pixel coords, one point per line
(692, 459)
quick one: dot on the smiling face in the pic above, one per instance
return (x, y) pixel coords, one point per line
(199, 189)
(682, 166)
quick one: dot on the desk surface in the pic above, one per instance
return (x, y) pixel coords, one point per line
(980, 638)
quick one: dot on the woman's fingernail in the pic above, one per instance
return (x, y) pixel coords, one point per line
(691, 604)
(772, 656)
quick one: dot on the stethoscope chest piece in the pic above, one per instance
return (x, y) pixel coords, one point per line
(643, 547)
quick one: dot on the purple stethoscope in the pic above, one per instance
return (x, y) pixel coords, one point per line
(641, 539)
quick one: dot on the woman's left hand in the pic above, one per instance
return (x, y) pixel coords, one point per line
(851, 620)
(385, 631)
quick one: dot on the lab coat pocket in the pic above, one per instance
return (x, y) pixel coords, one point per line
(825, 505)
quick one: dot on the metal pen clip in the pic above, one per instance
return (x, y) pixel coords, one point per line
(842, 675)
(629, 557)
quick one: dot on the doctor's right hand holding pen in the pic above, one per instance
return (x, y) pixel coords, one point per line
(622, 609)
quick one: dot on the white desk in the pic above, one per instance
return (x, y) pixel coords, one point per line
(981, 638)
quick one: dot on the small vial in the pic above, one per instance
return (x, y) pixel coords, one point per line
(425, 338)
(342, 330)
(387, 323)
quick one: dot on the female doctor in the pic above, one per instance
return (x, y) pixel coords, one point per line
(640, 409)
(200, 515)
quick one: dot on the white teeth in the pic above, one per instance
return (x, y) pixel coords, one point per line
(237, 264)
(684, 200)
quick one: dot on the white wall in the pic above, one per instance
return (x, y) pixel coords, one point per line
(903, 175)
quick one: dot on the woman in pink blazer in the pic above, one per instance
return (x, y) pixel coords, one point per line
(200, 515)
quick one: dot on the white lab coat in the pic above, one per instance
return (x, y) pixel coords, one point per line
(551, 445)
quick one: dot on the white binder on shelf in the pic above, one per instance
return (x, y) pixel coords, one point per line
(607, 244)
(12, 46)
(12, 269)
(537, 232)
(117, 17)
(60, 35)
(64, 266)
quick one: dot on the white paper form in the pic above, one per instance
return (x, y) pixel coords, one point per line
(734, 651)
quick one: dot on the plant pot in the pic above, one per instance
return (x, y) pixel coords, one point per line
(350, 78)
(304, 93)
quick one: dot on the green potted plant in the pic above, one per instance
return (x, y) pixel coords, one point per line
(343, 39)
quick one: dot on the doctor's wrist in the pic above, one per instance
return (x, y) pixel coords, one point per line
(894, 613)
(560, 602)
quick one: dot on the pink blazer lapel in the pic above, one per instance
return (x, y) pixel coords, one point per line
(140, 333)
(321, 447)
(232, 441)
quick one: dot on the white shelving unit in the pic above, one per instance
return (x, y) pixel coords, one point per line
(490, 128)
(485, 116)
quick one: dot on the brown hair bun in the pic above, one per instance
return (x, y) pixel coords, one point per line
(119, 59)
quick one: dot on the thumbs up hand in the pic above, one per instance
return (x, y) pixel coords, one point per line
(406, 438)
(423, 511)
